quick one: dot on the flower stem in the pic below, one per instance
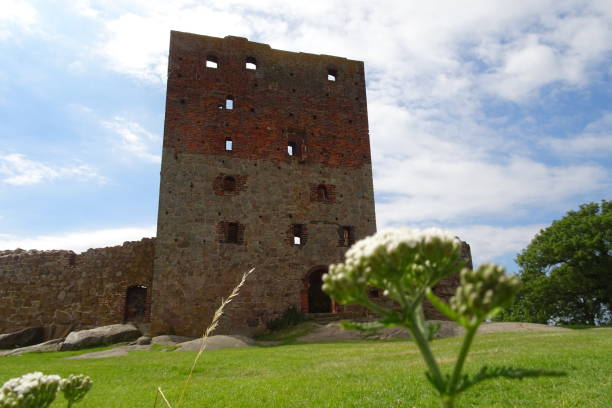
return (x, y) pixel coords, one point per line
(448, 402)
(465, 347)
(423, 345)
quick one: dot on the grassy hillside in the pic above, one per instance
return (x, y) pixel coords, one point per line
(348, 374)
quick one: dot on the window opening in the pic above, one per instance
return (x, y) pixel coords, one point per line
(332, 74)
(297, 234)
(291, 149)
(251, 63)
(229, 184)
(322, 194)
(232, 232)
(212, 62)
(229, 145)
(348, 238)
(229, 103)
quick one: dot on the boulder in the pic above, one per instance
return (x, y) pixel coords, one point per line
(51, 345)
(170, 339)
(22, 338)
(143, 340)
(100, 336)
(114, 352)
(217, 342)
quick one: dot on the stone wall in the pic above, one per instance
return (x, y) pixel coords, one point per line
(195, 267)
(300, 154)
(61, 290)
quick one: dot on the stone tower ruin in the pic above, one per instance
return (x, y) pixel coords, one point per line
(266, 163)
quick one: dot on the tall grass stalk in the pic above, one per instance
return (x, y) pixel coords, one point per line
(160, 392)
(213, 325)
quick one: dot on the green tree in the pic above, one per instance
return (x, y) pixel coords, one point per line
(566, 270)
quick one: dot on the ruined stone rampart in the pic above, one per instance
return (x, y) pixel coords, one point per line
(61, 290)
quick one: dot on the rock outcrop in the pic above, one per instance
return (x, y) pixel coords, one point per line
(217, 342)
(100, 336)
(22, 338)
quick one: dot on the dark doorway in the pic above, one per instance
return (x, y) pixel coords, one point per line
(318, 301)
(135, 304)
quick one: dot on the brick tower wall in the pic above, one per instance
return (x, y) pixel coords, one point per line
(287, 99)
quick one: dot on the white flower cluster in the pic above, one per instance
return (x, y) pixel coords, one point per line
(401, 259)
(33, 390)
(391, 240)
(482, 291)
(75, 387)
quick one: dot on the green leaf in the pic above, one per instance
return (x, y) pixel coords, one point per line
(443, 307)
(486, 373)
(438, 385)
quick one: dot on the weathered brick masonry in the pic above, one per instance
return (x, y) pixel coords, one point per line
(61, 290)
(300, 163)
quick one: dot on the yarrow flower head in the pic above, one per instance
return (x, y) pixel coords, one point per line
(482, 293)
(400, 259)
(75, 387)
(33, 390)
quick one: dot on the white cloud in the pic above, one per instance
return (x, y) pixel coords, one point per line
(77, 241)
(84, 8)
(488, 242)
(134, 140)
(16, 15)
(137, 43)
(430, 170)
(16, 169)
(596, 140)
(529, 44)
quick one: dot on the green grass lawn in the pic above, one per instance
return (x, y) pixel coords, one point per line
(345, 374)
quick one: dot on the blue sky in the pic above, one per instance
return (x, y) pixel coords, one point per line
(487, 118)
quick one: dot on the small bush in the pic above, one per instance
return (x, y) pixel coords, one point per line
(291, 317)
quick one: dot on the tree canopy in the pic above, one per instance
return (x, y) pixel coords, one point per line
(566, 270)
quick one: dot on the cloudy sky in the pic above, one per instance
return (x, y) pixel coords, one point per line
(487, 118)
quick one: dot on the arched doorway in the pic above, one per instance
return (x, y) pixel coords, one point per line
(318, 301)
(135, 303)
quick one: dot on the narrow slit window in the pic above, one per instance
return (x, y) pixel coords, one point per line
(229, 103)
(251, 63)
(298, 233)
(347, 236)
(322, 194)
(232, 232)
(332, 74)
(212, 62)
(229, 145)
(291, 149)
